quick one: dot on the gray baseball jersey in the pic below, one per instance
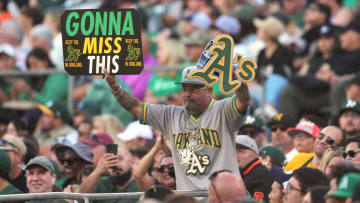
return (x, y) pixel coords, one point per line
(201, 145)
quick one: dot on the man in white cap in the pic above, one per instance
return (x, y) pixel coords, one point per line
(256, 177)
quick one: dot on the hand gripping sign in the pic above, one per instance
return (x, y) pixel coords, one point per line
(95, 39)
(217, 56)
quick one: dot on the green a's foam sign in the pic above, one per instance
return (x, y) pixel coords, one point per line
(221, 61)
(96, 39)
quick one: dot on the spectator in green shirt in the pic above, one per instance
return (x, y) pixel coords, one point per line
(120, 177)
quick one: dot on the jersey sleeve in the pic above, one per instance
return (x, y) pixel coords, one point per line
(156, 115)
(232, 115)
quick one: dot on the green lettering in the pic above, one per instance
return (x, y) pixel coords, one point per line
(216, 138)
(72, 27)
(87, 14)
(101, 22)
(114, 23)
(186, 142)
(128, 24)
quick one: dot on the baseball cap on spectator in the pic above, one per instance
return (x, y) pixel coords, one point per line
(274, 153)
(247, 142)
(89, 109)
(41, 161)
(197, 37)
(253, 121)
(7, 49)
(185, 79)
(351, 105)
(327, 31)
(201, 20)
(136, 130)
(282, 17)
(271, 25)
(306, 127)
(320, 7)
(12, 143)
(99, 139)
(354, 26)
(81, 149)
(280, 118)
(228, 24)
(353, 81)
(5, 162)
(245, 13)
(54, 109)
(346, 185)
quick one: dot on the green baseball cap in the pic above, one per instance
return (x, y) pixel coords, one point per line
(5, 162)
(352, 105)
(346, 185)
(276, 154)
(253, 121)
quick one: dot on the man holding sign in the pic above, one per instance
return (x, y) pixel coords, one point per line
(202, 132)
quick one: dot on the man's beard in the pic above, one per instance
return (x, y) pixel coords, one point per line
(189, 104)
(120, 180)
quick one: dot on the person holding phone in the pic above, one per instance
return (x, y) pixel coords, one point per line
(118, 163)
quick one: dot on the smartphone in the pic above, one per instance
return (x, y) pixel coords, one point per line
(112, 148)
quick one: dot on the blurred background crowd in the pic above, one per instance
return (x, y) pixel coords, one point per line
(307, 52)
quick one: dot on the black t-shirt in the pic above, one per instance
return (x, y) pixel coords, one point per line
(280, 63)
(347, 63)
(20, 182)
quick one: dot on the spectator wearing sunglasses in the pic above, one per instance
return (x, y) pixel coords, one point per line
(304, 135)
(73, 158)
(330, 136)
(256, 176)
(279, 125)
(226, 187)
(161, 173)
(349, 118)
(254, 127)
(353, 149)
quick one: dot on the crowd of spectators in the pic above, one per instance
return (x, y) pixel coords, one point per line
(299, 142)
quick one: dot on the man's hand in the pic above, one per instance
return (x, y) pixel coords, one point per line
(110, 79)
(107, 161)
(242, 98)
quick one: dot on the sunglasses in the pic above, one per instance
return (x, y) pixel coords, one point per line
(329, 140)
(163, 167)
(251, 133)
(274, 129)
(68, 161)
(351, 153)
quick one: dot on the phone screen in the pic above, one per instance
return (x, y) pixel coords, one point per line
(112, 148)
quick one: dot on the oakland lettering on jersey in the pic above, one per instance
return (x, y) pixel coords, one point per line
(208, 137)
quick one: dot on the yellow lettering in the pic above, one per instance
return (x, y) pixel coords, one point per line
(117, 45)
(90, 46)
(108, 45)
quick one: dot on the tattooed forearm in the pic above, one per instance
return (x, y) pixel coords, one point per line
(129, 102)
(242, 97)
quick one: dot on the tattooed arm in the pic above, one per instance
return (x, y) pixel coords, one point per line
(242, 98)
(130, 103)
